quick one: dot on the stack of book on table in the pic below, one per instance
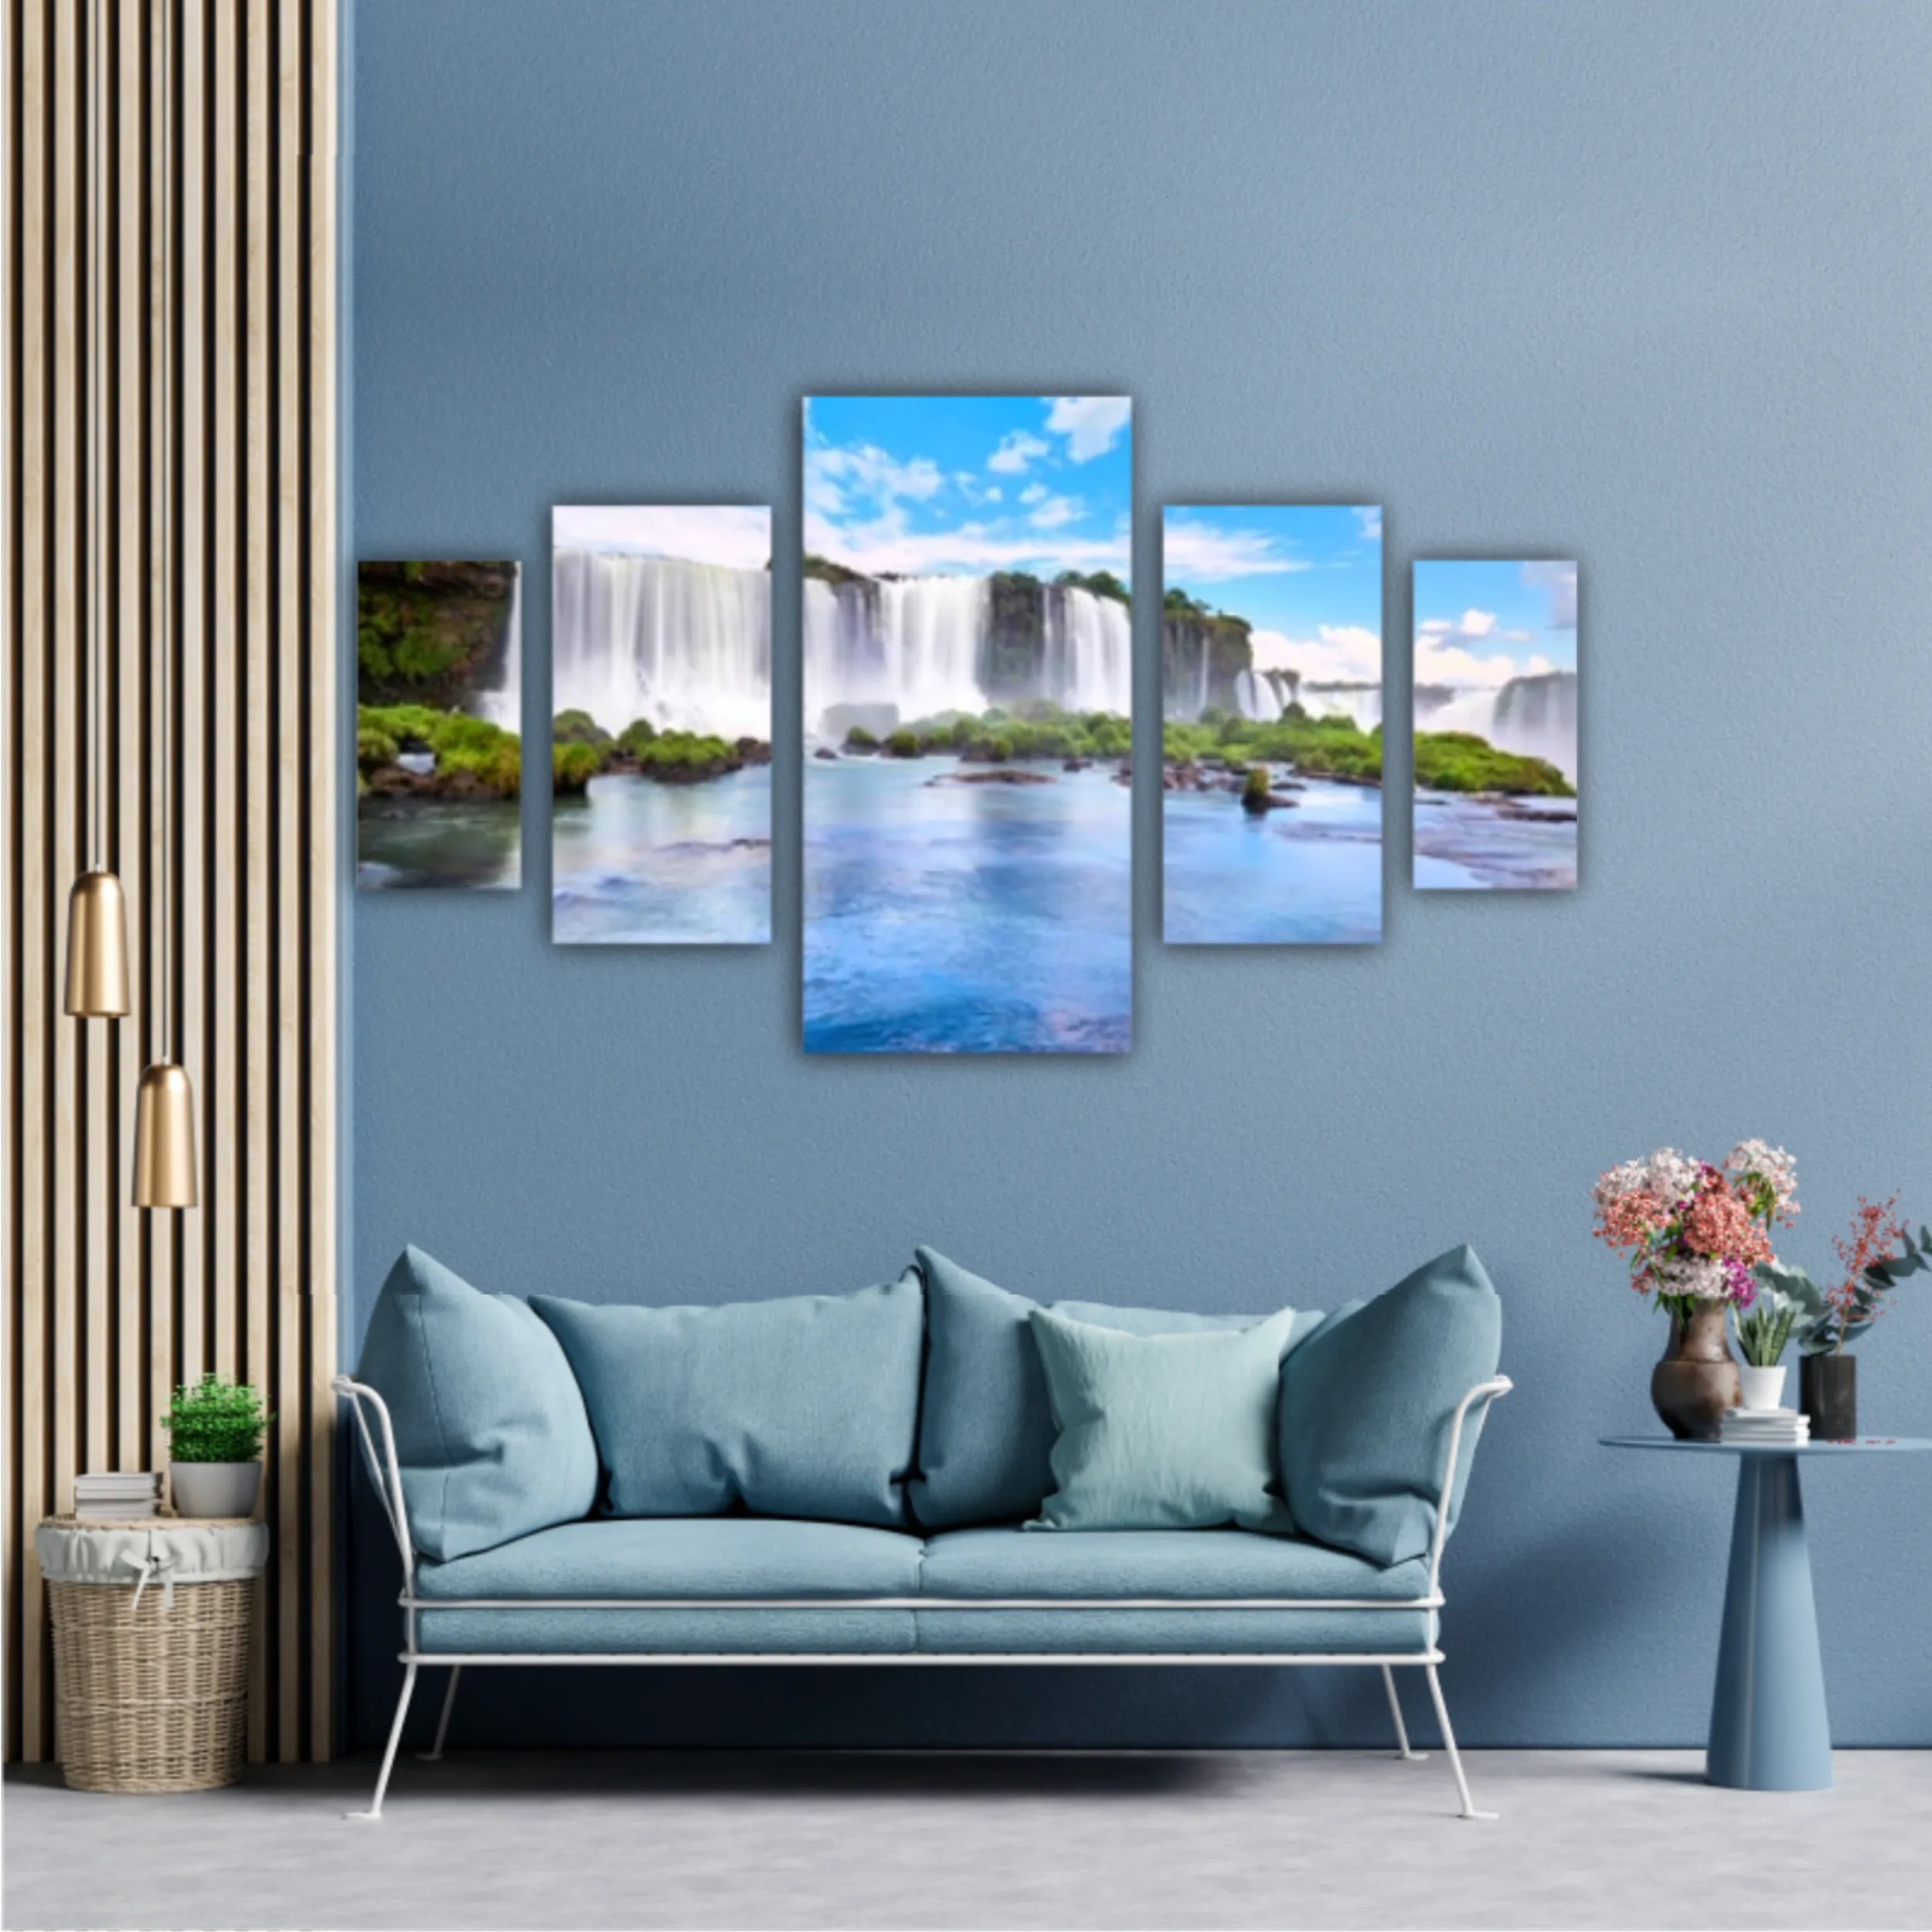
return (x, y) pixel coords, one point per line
(1774, 1428)
(117, 1498)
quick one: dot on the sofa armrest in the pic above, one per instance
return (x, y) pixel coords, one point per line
(1481, 1396)
(385, 1469)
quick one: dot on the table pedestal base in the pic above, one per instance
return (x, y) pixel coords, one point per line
(1769, 1731)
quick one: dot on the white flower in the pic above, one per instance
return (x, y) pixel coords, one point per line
(1670, 1175)
(1697, 1275)
(1772, 1165)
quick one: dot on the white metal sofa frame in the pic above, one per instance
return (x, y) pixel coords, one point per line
(387, 1474)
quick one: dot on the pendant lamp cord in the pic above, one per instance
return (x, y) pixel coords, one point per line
(97, 400)
(165, 625)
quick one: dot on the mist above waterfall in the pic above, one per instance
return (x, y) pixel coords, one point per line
(686, 645)
(915, 647)
(1534, 717)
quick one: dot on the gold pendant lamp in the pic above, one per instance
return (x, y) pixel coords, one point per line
(97, 907)
(164, 1101)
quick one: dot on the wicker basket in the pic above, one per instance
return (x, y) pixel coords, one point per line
(148, 1696)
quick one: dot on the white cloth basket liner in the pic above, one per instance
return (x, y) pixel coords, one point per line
(170, 1552)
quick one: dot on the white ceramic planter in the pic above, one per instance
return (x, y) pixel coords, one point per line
(1764, 1388)
(214, 1488)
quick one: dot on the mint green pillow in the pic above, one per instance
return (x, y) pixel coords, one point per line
(1163, 1431)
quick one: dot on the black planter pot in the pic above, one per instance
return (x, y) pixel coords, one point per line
(1827, 1392)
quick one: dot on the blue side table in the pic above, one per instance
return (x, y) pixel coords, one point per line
(1769, 1732)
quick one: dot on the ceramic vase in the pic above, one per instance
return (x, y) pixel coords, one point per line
(1828, 1387)
(1764, 1388)
(1697, 1380)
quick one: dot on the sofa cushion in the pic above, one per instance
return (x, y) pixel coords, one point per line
(986, 1429)
(1163, 1431)
(1221, 1565)
(491, 1431)
(699, 1632)
(806, 1406)
(1174, 1632)
(1366, 1403)
(687, 1557)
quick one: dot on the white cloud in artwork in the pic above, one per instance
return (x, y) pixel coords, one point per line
(1056, 512)
(834, 476)
(1438, 660)
(1369, 521)
(1035, 493)
(1016, 449)
(1477, 623)
(1560, 579)
(885, 546)
(736, 535)
(1336, 654)
(1198, 552)
(1091, 423)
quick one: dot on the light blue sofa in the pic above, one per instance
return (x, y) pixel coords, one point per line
(850, 1478)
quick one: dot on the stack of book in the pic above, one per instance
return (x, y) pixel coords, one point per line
(116, 1497)
(1773, 1428)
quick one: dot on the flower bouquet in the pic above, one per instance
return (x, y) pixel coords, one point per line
(1696, 1234)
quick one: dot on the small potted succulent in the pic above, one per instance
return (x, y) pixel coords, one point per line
(1786, 1299)
(215, 1430)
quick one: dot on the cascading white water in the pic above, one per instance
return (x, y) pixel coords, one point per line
(686, 645)
(504, 706)
(1361, 703)
(913, 645)
(1089, 652)
(1255, 696)
(1534, 717)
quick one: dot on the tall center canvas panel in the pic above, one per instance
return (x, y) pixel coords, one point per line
(968, 702)
(661, 724)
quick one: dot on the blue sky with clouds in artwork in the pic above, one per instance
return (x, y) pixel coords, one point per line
(1484, 621)
(916, 485)
(1306, 576)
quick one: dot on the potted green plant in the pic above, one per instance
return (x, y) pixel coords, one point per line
(215, 1430)
(1786, 1298)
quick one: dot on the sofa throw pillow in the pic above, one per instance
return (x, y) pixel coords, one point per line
(985, 1425)
(806, 1407)
(1163, 1431)
(1366, 1403)
(491, 1431)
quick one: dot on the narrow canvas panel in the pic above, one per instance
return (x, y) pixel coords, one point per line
(1495, 724)
(661, 725)
(438, 724)
(1271, 725)
(968, 703)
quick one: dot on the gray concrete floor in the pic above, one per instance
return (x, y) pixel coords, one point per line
(485, 1841)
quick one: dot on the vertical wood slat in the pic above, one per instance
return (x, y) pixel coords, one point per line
(65, 801)
(107, 1305)
(319, 793)
(130, 496)
(286, 1464)
(30, 901)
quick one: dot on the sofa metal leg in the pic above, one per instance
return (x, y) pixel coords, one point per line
(375, 1812)
(1402, 1750)
(1449, 1745)
(434, 1754)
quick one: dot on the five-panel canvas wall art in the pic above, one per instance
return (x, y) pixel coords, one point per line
(966, 605)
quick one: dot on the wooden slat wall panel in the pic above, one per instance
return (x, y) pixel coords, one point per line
(108, 1306)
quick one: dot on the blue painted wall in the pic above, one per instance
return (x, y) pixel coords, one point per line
(1644, 285)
